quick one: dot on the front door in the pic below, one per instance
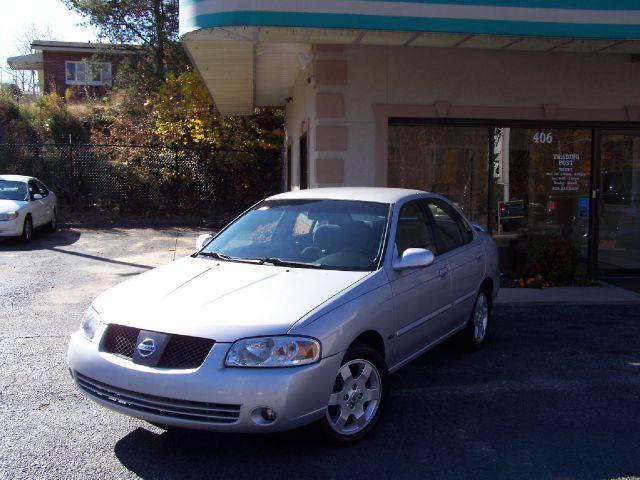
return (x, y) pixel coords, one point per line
(38, 206)
(619, 204)
(422, 296)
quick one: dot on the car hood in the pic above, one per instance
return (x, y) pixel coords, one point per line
(7, 206)
(221, 300)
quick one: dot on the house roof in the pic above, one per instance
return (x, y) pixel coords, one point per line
(34, 61)
(83, 47)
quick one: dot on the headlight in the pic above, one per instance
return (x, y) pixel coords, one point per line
(90, 323)
(281, 351)
(8, 216)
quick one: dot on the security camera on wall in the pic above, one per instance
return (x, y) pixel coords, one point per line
(304, 59)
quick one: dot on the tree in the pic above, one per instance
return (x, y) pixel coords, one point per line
(185, 116)
(153, 24)
(25, 80)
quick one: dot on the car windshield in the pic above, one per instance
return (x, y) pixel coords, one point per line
(10, 190)
(329, 234)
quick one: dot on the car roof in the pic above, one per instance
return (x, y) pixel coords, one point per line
(365, 194)
(16, 178)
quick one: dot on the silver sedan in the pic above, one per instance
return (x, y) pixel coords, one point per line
(25, 204)
(294, 313)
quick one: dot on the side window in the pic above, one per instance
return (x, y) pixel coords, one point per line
(43, 190)
(414, 229)
(452, 231)
(33, 189)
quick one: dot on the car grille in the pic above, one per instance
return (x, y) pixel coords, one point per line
(185, 352)
(181, 351)
(121, 340)
(166, 407)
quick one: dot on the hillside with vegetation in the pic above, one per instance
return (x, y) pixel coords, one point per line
(157, 103)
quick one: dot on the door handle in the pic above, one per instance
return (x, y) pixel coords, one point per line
(443, 272)
(479, 256)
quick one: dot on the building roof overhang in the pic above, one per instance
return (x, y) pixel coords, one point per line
(248, 51)
(32, 61)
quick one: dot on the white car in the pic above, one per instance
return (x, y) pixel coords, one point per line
(25, 204)
(294, 313)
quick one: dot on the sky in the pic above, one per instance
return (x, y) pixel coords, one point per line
(18, 17)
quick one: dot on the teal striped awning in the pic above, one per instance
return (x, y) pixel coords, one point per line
(595, 19)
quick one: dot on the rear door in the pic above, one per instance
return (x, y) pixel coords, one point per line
(422, 296)
(465, 254)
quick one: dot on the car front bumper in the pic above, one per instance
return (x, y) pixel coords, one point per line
(11, 228)
(211, 397)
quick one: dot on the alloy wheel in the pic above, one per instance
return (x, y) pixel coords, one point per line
(480, 318)
(27, 230)
(355, 398)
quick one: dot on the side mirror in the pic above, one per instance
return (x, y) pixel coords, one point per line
(37, 196)
(414, 258)
(203, 240)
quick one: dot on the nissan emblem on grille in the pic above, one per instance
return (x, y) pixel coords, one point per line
(147, 347)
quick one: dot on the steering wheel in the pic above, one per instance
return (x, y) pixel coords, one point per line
(311, 253)
(359, 251)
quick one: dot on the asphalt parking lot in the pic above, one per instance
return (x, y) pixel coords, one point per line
(556, 393)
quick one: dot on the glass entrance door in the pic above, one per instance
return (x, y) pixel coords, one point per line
(619, 205)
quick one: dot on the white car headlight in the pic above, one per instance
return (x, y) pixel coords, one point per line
(282, 351)
(90, 323)
(8, 216)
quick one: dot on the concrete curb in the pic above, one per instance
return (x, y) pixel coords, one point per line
(606, 294)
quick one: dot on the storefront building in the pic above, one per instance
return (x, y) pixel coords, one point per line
(524, 113)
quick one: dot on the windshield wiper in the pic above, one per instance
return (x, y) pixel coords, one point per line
(279, 262)
(219, 256)
(227, 258)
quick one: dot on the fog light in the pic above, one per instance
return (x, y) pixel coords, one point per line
(263, 415)
(268, 414)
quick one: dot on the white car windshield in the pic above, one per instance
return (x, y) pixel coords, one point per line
(10, 190)
(329, 234)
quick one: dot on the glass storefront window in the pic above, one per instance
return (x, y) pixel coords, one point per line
(619, 209)
(541, 188)
(541, 180)
(451, 161)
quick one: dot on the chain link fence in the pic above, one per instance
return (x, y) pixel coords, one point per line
(154, 180)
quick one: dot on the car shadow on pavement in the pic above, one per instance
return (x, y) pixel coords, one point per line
(554, 395)
(42, 240)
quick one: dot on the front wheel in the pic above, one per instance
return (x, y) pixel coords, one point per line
(355, 403)
(475, 333)
(53, 223)
(27, 230)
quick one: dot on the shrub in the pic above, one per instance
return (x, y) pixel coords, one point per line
(556, 259)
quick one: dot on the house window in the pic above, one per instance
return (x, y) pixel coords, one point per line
(88, 73)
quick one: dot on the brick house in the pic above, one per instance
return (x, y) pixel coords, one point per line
(83, 68)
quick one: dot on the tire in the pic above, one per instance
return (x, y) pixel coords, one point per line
(53, 223)
(27, 230)
(348, 406)
(474, 335)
